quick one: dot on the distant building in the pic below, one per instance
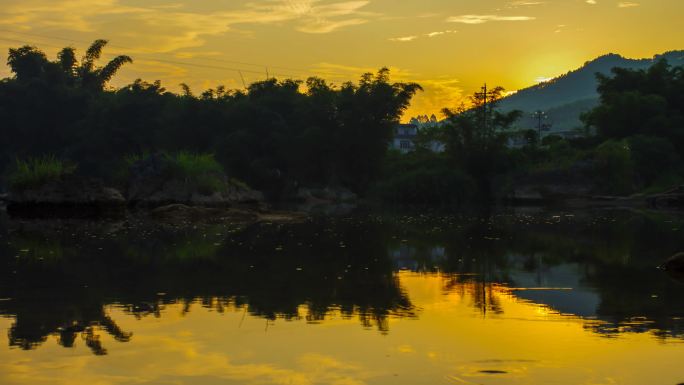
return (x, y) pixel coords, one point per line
(404, 139)
(521, 138)
(517, 139)
(572, 134)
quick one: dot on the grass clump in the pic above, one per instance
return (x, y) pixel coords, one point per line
(35, 172)
(188, 164)
(202, 171)
(197, 172)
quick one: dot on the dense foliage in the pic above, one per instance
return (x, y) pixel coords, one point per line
(278, 135)
(633, 142)
(275, 135)
(476, 151)
(641, 121)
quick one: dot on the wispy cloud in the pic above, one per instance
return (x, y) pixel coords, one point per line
(481, 19)
(317, 16)
(175, 26)
(404, 39)
(525, 3)
(627, 4)
(591, 2)
(428, 15)
(439, 33)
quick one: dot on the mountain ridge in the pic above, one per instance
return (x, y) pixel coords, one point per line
(575, 91)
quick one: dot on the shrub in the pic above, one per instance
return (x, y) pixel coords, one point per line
(613, 167)
(202, 171)
(198, 172)
(653, 158)
(35, 172)
(131, 159)
(552, 139)
(189, 165)
(440, 186)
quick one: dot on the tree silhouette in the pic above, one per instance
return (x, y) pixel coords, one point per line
(86, 74)
(29, 63)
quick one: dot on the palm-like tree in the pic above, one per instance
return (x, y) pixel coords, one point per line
(85, 73)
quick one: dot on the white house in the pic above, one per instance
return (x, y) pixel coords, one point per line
(405, 136)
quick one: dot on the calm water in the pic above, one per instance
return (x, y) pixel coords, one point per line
(516, 298)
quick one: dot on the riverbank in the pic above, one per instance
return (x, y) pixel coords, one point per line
(87, 198)
(671, 199)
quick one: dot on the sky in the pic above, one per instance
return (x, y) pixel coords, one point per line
(450, 47)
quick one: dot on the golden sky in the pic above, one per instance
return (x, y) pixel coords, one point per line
(448, 46)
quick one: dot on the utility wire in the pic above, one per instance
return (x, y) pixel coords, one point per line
(339, 75)
(175, 62)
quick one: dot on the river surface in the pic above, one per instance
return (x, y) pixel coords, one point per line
(526, 297)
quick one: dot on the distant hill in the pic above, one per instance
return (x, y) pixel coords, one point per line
(565, 97)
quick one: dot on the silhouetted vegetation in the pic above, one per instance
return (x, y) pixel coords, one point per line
(475, 140)
(68, 274)
(641, 119)
(280, 135)
(274, 135)
(637, 147)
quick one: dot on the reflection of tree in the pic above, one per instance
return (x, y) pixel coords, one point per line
(615, 253)
(67, 273)
(64, 279)
(662, 329)
(68, 318)
(482, 294)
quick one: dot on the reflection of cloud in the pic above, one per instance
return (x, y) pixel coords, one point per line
(481, 19)
(184, 358)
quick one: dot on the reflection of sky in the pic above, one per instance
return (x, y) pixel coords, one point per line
(556, 286)
(448, 343)
(407, 257)
(565, 293)
(534, 336)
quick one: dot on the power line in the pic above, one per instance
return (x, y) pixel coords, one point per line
(175, 62)
(144, 57)
(180, 63)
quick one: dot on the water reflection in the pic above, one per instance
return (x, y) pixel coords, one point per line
(60, 278)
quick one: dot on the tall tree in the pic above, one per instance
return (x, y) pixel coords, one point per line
(475, 137)
(646, 102)
(90, 76)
